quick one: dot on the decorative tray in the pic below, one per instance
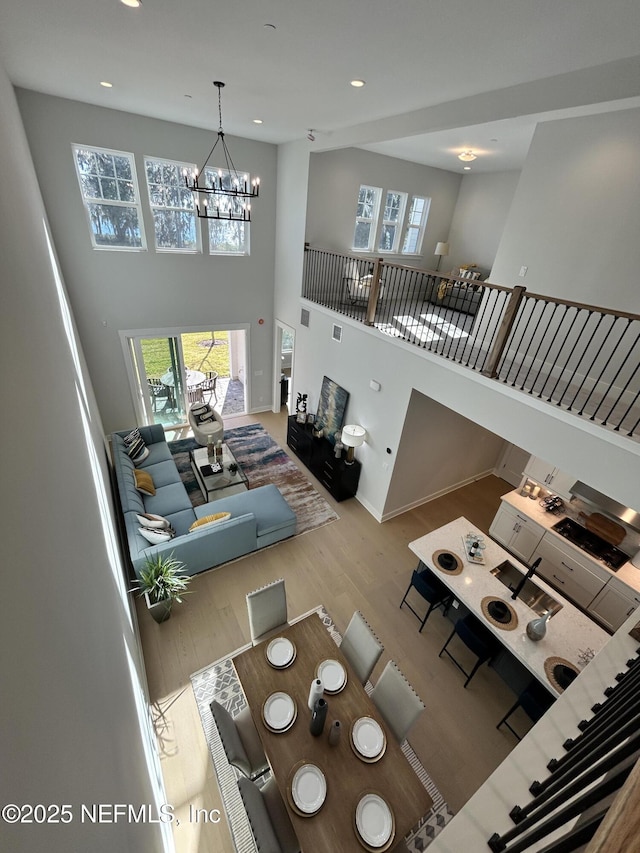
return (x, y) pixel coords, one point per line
(467, 542)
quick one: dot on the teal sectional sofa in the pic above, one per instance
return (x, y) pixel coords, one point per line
(259, 517)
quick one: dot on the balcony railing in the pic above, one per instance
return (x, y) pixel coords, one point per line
(579, 357)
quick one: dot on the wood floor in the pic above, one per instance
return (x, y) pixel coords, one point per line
(353, 563)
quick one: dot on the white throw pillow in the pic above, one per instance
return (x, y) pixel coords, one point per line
(154, 522)
(156, 537)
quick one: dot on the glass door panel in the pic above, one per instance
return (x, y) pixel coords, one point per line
(163, 388)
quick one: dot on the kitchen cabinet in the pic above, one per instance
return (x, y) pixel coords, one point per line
(576, 577)
(549, 476)
(516, 532)
(614, 604)
(318, 454)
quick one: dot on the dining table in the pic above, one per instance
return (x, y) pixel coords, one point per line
(352, 780)
(194, 377)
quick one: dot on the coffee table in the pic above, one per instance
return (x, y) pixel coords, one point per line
(219, 485)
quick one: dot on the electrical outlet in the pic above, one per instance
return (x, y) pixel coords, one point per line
(455, 604)
(523, 271)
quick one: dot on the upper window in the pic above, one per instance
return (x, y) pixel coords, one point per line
(416, 221)
(172, 206)
(226, 236)
(366, 218)
(109, 188)
(392, 217)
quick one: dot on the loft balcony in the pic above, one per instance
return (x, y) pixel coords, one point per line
(581, 358)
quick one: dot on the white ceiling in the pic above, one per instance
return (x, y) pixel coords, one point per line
(467, 72)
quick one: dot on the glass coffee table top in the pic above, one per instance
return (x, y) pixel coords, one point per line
(213, 482)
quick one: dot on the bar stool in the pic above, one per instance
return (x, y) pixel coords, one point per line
(477, 638)
(432, 590)
(535, 700)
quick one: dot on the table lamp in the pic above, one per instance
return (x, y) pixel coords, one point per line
(353, 436)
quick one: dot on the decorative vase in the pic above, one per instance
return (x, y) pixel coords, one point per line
(318, 717)
(316, 691)
(537, 628)
(211, 448)
(334, 733)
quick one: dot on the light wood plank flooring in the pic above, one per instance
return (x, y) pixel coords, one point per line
(353, 563)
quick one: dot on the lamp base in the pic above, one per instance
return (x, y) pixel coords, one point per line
(350, 456)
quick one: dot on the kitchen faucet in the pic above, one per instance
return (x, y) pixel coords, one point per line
(530, 573)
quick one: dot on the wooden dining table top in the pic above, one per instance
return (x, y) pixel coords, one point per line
(332, 828)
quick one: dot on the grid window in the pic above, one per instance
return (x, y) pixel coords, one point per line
(227, 236)
(392, 217)
(172, 206)
(366, 218)
(416, 222)
(110, 194)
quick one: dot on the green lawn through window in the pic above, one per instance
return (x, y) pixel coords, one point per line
(202, 351)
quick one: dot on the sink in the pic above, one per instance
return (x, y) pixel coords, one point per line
(537, 599)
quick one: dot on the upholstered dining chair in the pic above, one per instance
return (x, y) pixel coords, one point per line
(268, 817)
(267, 609)
(434, 592)
(397, 701)
(361, 647)
(240, 740)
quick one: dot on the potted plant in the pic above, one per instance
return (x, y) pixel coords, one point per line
(162, 581)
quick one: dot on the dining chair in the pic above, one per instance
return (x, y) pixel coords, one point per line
(240, 740)
(268, 817)
(195, 394)
(535, 700)
(209, 385)
(477, 639)
(158, 390)
(397, 701)
(267, 607)
(361, 647)
(434, 592)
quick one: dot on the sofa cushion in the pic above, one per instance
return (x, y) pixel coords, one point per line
(167, 500)
(158, 452)
(270, 509)
(182, 520)
(163, 473)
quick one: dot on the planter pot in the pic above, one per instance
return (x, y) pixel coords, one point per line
(160, 611)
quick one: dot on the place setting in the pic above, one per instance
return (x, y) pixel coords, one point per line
(333, 676)
(368, 739)
(374, 823)
(279, 712)
(306, 789)
(280, 652)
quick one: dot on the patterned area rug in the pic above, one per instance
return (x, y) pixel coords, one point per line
(263, 461)
(219, 681)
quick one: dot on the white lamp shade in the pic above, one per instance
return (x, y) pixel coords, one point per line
(442, 249)
(353, 435)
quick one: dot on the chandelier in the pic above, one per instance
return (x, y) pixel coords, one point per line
(223, 193)
(467, 156)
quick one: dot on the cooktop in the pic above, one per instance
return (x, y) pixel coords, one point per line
(591, 543)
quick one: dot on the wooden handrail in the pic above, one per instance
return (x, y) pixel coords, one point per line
(500, 341)
(620, 830)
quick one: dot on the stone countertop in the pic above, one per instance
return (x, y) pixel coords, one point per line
(628, 574)
(568, 632)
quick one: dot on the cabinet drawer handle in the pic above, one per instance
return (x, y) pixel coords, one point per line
(566, 566)
(630, 611)
(558, 579)
(524, 520)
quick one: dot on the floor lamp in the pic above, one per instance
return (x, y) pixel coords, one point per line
(441, 249)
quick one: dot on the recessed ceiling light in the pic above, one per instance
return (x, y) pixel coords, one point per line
(132, 4)
(257, 121)
(357, 84)
(467, 168)
(106, 84)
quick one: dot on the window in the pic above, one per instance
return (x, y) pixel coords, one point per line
(392, 221)
(109, 188)
(366, 218)
(230, 236)
(172, 206)
(416, 222)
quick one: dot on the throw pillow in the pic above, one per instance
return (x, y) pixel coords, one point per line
(200, 409)
(157, 522)
(156, 537)
(144, 482)
(206, 418)
(209, 521)
(137, 450)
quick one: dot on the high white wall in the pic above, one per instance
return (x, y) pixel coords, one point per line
(575, 213)
(74, 727)
(335, 178)
(111, 291)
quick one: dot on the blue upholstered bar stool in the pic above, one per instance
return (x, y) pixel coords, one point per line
(477, 639)
(535, 700)
(431, 588)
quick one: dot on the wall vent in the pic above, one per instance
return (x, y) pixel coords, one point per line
(336, 333)
(304, 317)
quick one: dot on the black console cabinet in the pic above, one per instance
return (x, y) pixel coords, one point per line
(318, 454)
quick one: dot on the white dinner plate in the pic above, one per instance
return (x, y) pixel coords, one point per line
(279, 711)
(308, 788)
(374, 820)
(368, 737)
(333, 675)
(281, 652)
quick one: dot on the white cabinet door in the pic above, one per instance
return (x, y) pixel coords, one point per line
(566, 572)
(561, 483)
(549, 476)
(516, 532)
(612, 607)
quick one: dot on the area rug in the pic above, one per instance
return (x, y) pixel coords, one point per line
(263, 461)
(219, 681)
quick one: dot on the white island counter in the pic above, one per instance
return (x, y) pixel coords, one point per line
(568, 632)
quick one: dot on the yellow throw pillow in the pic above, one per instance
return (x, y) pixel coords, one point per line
(209, 521)
(144, 482)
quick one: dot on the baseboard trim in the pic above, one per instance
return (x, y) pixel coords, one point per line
(388, 515)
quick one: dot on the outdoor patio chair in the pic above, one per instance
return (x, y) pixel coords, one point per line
(209, 385)
(158, 391)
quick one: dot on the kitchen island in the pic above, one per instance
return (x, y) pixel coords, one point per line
(569, 631)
